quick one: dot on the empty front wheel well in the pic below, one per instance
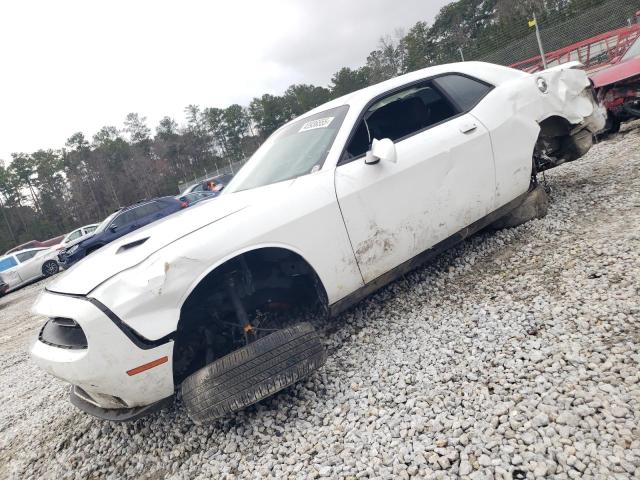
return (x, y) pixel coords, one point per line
(560, 141)
(555, 126)
(246, 297)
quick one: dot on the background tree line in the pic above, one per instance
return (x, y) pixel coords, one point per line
(50, 192)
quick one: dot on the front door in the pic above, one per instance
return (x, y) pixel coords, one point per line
(443, 179)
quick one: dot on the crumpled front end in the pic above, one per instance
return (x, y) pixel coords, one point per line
(569, 94)
(84, 344)
(564, 105)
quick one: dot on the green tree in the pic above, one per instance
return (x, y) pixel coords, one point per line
(418, 47)
(136, 127)
(347, 80)
(269, 113)
(52, 189)
(302, 98)
(23, 167)
(387, 60)
(236, 126)
(6, 192)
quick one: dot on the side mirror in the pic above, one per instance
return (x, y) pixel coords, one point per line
(113, 228)
(383, 149)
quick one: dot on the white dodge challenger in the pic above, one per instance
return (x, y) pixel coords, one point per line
(211, 301)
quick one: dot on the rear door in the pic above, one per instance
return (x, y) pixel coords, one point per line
(30, 266)
(442, 182)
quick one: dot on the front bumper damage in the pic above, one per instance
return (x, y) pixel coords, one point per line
(81, 400)
(103, 366)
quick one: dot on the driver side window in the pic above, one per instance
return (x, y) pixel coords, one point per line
(400, 115)
(124, 218)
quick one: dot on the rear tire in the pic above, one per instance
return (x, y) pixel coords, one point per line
(50, 268)
(535, 205)
(252, 373)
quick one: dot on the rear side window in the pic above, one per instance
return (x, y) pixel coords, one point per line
(466, 92)
(147, 209)
(124, 218)
(23, 257)
(74, 235)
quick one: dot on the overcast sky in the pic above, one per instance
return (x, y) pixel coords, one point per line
(68, 66)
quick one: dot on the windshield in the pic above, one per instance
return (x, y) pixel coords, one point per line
(105, 223)
(296, 149)
(634, 51)
(6, 263)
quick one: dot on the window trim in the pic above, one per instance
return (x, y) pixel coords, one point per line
(377, 98)
(31, 253)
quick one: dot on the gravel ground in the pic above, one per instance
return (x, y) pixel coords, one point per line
(514, 355)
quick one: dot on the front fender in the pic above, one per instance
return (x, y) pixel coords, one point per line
(303, 218)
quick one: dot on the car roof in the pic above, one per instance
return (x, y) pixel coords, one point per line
(488, 72)
(144, 202)
(29, 250)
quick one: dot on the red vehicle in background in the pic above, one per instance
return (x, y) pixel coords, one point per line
(618, 88)
(612, 60)
(36, 244)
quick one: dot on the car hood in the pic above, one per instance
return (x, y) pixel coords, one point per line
(135, 247)
(616, 73)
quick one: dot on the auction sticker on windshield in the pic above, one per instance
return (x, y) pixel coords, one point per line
(317, 123)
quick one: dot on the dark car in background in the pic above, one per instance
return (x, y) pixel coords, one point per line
(118, 224)
(196, 197)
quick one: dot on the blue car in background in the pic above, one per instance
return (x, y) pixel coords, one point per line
(118, 224)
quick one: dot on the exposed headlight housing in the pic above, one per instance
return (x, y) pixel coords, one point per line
(542, 85)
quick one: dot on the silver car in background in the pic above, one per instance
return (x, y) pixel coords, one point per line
(22, 267)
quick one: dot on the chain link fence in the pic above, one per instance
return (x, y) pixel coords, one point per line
(590, 22)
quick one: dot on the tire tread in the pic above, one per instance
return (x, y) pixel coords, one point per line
(252, 373)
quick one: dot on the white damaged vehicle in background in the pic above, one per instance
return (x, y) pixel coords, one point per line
(25, 266)
(334, 205)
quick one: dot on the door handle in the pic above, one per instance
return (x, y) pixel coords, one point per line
(468, 127)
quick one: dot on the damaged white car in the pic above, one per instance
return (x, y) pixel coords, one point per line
(337, 203)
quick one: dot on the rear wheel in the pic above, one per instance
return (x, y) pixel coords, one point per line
(50, 267)
(252, 373)
(535, 205)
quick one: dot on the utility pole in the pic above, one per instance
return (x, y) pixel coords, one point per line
(535, 22)
(461, 54)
